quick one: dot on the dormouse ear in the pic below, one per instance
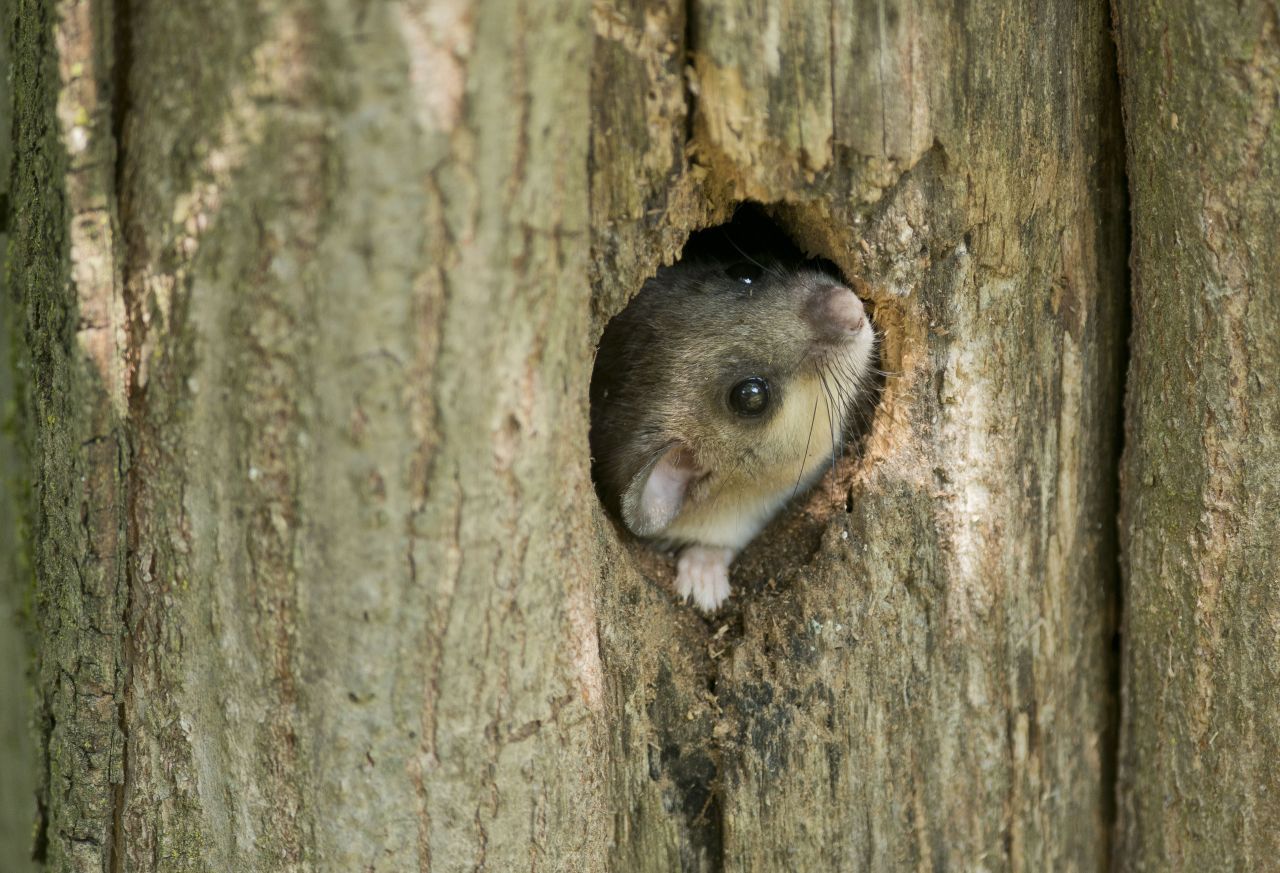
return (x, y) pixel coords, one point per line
(656, 493)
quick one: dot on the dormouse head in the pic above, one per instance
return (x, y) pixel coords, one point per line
(723, 375)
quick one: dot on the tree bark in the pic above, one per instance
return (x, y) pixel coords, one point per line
(1199, 788)
(920, 675)
(309, 293)
(18, 774)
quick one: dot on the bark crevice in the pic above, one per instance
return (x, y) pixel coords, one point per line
(117, 34)
(1119, 152)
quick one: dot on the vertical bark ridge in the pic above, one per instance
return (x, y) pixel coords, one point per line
(1197, 786)
(19, 809)
(67, 284)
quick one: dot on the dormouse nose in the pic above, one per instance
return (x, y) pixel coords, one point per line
(835, 312)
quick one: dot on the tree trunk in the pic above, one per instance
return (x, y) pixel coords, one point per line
(17, 753)
(308, 294)
(1199, 787)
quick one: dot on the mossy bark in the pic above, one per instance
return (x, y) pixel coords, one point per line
(18, 769)
(309, 293)
(1199, 788)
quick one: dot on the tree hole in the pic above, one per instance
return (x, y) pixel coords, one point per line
(733, 385)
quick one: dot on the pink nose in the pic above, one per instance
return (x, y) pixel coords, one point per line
(836, 313)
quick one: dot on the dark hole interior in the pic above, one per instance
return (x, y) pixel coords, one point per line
(751, 233)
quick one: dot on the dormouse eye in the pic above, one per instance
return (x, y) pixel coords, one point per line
(750, 397)
(744, 272)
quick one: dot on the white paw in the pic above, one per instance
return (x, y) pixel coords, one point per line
(702, 572)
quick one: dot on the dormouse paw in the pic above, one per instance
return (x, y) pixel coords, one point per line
(702, 572)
